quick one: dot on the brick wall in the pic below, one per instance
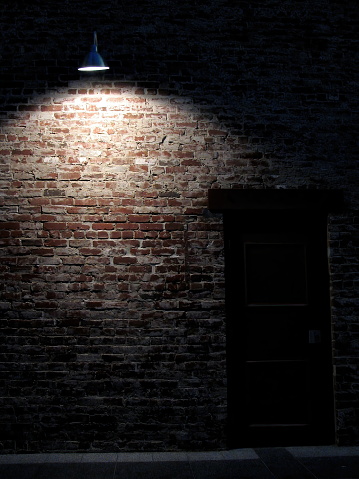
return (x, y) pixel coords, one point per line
(112, 290)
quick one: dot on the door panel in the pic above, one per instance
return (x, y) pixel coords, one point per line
(279, 355)
(275, 273)
(277, 393)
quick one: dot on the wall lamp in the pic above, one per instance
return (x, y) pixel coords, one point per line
(93, 61)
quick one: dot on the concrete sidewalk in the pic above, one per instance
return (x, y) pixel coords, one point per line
(327, 462)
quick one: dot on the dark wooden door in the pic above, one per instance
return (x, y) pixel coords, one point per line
(280, 382)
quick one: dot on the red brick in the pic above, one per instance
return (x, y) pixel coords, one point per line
(17, 152)
(8, 225)
(51, 107)
(127, 226)
(120, 234)
(151, 226)
(55, 226)
(43, 252)
(103, 226)
(78, 226)
(56, 243)
(139, 218)
(124, 260)
(174, 226)
(69, 176)
(90, 251)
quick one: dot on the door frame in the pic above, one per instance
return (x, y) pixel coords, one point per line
(296, 202)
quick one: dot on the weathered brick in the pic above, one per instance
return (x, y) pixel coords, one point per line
(55, 226)
(124, 260)
(112, 269)
(151, 226)
(7, 225)
(103, 226)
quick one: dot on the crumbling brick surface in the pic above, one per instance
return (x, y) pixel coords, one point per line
(112, 268)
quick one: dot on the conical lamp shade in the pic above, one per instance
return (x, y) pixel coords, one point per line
(93, 61)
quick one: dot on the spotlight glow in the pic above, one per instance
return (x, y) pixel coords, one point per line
(92, 69)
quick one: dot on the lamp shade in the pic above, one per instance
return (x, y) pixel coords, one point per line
(93, 61)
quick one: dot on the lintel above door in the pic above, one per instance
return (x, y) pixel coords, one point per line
(220, 200)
